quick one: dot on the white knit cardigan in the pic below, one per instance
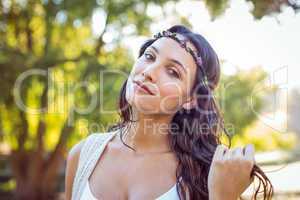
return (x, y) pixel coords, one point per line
(88, 158)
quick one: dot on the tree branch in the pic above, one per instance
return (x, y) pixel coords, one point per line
(28, 32)
(23, 134)
(45, 64)
(42, 125)
(48, 27)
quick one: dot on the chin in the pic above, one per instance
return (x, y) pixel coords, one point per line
(144, 103)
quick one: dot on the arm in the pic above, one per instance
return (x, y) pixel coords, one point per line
(230, 172)
(71, 167)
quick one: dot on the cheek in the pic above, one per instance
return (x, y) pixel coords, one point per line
(138, 67)
(129, 90)
(171, 94)
(170, 89)
(143, 102)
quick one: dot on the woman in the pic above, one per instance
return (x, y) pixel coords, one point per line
(167, 145)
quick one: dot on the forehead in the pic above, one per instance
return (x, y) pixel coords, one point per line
(172, 50)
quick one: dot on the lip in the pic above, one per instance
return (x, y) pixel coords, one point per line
(143, 87)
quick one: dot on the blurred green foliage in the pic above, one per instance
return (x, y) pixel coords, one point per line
(238, 100)
(54, 39)
(266, 140)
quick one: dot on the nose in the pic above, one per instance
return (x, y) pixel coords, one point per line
(151, 72)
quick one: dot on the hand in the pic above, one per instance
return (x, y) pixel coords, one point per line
(230, 172)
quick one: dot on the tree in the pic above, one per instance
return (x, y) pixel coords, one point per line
(260, 7)
(52, 38)
(42, 39)
(238, 100)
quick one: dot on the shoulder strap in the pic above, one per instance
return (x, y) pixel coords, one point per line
(89, 155)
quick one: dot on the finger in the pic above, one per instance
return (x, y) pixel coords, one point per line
(220, 150)
(249, 152)
(237, 152)
(227, 154)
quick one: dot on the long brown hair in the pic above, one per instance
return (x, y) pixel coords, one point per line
(198, 131)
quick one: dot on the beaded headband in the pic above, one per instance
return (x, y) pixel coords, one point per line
(183, 43)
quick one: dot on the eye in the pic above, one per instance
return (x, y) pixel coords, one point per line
(149, 56)
(173, 72)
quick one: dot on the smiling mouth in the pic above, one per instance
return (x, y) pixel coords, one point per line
(143, 87)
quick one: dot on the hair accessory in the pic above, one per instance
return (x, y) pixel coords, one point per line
(183, 43)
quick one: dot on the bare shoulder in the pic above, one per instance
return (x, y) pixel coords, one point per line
(73, 159)
(74, 153)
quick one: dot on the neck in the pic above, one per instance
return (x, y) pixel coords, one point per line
(149, 133)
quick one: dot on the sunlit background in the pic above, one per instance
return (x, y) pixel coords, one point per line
(62, 64)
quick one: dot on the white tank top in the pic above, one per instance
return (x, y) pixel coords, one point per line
(91, 151)
(171, 194)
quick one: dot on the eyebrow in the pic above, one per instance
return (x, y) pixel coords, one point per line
(173, 60)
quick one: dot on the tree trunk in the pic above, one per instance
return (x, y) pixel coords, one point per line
(33, 181)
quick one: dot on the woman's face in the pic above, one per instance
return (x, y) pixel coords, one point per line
(168, 71)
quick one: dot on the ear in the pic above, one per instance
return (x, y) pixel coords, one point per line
(190, 103)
